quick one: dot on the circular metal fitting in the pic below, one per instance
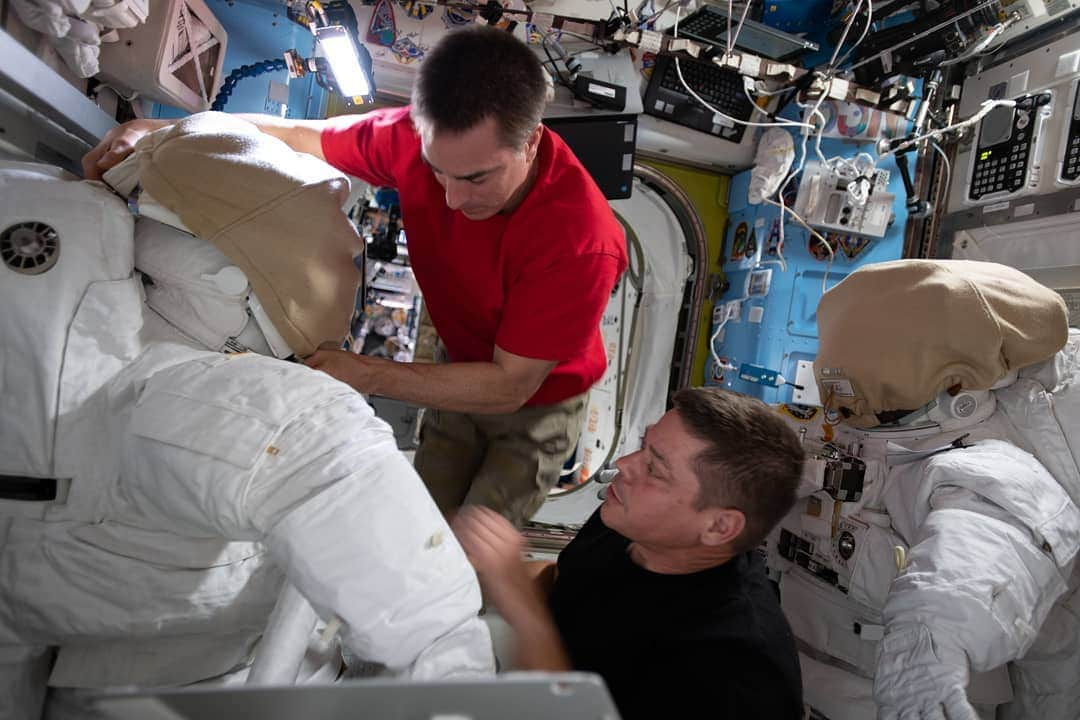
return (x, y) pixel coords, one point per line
(29, 248)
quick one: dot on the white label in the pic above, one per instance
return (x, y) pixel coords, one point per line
(651, 40)
(1022, 210)
(601, 90)
(996, 207)
(877, 218)
(839, 387)
(722, 120)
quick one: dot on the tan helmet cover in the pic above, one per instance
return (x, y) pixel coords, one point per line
(893, 335)
(274, 212)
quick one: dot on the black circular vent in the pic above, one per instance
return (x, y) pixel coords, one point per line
(29, 248)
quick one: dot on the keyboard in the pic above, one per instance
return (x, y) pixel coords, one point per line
(665, 97)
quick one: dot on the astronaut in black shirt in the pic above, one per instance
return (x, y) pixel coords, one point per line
(662, 592)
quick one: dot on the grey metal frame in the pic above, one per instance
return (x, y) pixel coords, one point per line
(29, 79)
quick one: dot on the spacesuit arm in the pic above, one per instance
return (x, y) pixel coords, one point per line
(301, 135)
(994, 542)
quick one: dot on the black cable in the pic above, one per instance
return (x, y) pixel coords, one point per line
(229, 84)
(555, 66)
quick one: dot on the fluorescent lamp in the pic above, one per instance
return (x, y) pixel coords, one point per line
(340, 52)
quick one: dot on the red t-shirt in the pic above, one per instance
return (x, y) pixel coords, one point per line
(534, 282)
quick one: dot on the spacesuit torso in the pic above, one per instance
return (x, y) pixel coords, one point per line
(968, 528)
(157, 494)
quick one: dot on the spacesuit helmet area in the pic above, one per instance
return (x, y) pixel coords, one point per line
(923, 341)
(264, 217)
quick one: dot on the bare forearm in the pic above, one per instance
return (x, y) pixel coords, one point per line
(538, 645)
(301, 135)
(475, 387)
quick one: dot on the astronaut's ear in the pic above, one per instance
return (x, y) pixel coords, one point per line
(724, 526)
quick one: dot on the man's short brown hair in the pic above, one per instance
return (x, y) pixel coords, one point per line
(476, 73)
(753, 460)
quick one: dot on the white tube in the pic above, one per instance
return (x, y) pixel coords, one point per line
(285, 642)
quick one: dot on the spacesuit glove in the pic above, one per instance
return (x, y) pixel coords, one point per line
(920, 678)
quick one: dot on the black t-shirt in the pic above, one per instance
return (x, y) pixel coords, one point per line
(709, 644)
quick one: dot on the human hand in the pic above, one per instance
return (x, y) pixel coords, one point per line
(492, 544)
(919, 678)
(350, 368)
(117, 144)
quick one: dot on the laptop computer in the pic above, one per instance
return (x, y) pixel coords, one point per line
(709, 25)
(523, 696)
(666, 97)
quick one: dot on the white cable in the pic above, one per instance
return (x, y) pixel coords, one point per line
(727, 52)
(987, 106)
(816, 235)
(869, 20)
(716, 334)
(979, 47)
(843, 36)
(715, 111)
(753, 100)
(948, 166)
(733, 41)
(924, 33)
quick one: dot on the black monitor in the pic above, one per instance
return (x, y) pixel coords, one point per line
(605, 146)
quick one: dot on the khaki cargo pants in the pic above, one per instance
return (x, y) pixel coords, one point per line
(505, 462)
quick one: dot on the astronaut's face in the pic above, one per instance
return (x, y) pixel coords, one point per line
(481, 176)
(651, 500)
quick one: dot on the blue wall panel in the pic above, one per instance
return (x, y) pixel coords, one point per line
(787, 332)
(260, 31)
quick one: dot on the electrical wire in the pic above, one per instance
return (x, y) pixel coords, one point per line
(979, 47)
(715, 111)
(843, 37)
(924, 33)
(869, 22)
(733, 41)
(719, 328)
(815, 234)
(987, 106)
(948, 165)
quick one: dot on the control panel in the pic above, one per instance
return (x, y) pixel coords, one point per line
(1005, 159)
(826, 200)
(830, 559)
(1069, 169)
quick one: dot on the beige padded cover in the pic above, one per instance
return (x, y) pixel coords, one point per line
(274, 212)
(893, 335)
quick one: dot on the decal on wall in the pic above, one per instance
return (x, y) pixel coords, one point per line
(406, 51)
(853, 245)
(856, 122)
(739, 242)
(415, 9)
(818, 250)
(773, 247)
(382, 30)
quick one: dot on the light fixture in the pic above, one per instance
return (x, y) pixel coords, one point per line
(351, 78)
(342, 64)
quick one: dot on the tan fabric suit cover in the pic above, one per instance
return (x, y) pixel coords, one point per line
(274, 212)
(938, 323)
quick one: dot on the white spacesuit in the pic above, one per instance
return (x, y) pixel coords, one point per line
(927, 570)
(155, 493)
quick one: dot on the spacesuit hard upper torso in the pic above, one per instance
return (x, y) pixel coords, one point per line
(188, 484)
(975, 543)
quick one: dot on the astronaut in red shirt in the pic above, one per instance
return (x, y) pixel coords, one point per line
(516, 252)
